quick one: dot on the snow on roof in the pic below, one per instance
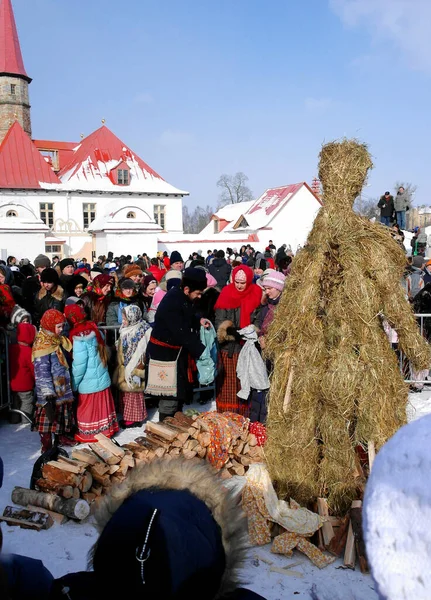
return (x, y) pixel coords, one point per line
(95, 160)
(115, 217)
(229, 213)
(11, 62)
(21, 164)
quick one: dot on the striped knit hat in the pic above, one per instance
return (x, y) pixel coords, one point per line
(274, 279)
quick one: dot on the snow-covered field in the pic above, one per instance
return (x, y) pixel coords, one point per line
(63, 548)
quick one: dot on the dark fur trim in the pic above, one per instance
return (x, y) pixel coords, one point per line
(206, 484)
(222, 334)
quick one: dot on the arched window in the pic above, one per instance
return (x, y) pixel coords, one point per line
(131, 215)
(11, 213)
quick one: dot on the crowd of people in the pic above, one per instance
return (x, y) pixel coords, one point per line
(87, 343)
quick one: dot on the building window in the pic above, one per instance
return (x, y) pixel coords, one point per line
(47, 213)
(131, 215)
(123, 177)
(11, 213)
(52, 249)
(52, 158)
(13, 89)
(89, 214)
(242, 223)
(160, 214)
(216, 226)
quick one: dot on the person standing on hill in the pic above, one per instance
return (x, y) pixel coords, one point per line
(401, 204)
(386, 205)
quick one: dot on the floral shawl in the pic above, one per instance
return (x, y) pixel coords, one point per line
(133, 340)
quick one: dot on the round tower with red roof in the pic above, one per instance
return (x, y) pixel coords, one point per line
(14, 81)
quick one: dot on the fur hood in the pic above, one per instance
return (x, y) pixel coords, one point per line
(222, 334)
(58, 294)
(201, 480)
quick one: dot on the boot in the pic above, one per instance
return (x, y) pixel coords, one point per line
(46, 441)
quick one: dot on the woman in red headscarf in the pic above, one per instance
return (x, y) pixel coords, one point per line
(54, 404)
(97, 299)
(237, 306)
(90, 378)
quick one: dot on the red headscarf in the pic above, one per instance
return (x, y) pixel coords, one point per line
(247, 301)
(50, 319)
(77, 319)
(100, 281)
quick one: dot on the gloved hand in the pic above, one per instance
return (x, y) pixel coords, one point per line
(49, 406)
(233, 331)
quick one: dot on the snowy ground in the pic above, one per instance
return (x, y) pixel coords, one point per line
(64, 548)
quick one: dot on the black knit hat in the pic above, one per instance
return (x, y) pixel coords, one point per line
(175, 257)
(127, 284)
(49, 276)
(67, 262)
(194, 279)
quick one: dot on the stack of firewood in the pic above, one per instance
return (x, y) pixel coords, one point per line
(343, 537)
(69, 485)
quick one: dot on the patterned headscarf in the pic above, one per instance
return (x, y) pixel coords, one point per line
(133, 339)
(80, 325)
(47, 341)
(100, 281)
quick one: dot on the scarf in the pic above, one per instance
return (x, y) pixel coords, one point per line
(247, 301)
(47, 341)
(133, 340)
(80, 326)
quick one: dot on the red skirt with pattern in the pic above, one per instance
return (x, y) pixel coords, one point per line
(133, 407)
(96, 414)
(228, 385)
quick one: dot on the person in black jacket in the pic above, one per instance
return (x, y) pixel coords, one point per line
(51, 295)
(220, 269)
(387, 210)
(176, 335)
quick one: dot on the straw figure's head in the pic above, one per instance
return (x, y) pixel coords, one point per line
(343, 169)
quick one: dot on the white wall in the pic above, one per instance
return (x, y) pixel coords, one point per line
(23, 244)
(133, 243)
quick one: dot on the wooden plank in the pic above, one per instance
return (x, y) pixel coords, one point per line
(86, 483)
(86, 457)
(66, 467)
(338, 542)
(73, 462)
(106, 455)
(109, 445)
(27, 519)
(158, 442)
(175, 424)
(349, 553)
(57, 518)
(160, 430)
(327, 529)
(53, 473)
(371, 454)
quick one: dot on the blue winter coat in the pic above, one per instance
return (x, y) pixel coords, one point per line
(52, 379)
(89, 375)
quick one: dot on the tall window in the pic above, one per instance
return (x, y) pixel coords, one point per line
(47, 213)
(216, 226)
(160, 214)
(88, 213)
(13, 89)
(123, 177)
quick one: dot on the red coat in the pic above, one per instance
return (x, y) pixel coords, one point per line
(21, 365)
(167, 262)
(270, 262)
(157, 272)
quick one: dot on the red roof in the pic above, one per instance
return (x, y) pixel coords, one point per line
(64, 150)
(11, 62)
(102, 146)
(273, 198)
(21, 164)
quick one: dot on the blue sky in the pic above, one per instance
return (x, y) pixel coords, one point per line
(199, 88)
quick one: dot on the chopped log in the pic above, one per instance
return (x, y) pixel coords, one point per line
(86, 483)
(161, 430)
(179, 443)
(160, 452)
(189, 454)
(175, 451)
(184, 419)
(158, 442)
(99, 467)
(245, 460)
(113, 469)
(192, 445)
(338, 542)
(183, 437)
(195, 433)
(122, 471)
(246, 449)
(53, 473)
(89, 497)
(102, 479)
(128, 461)
(356, 520)
(201, 452)
(349, 553)
(175, 424)
(27, 519)
(106, 455)
(238, 468)
(202, 425)
(55, 516)
(76, 493)
(251, 440)
(86, 457)
(327, 529)
(137, 450)
(239, 448)
(116, 479)
(45, 485)
(146, 444)
(96, 489)
(224, 474)
(66, 467)
(75, 509)
(204, 439)
(73, 462)
(109, 445)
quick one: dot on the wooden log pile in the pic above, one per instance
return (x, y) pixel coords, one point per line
(68, 484)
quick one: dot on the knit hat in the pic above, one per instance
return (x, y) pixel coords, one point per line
(397, 514)
(175, 257)
(146, 282)
(18, 314)
(275, 279)
(42, 261)
(127, 284)
(211, 281)
(132, 270)
(173, 275)
(50, 276)
(67, 262)
(74, 281)
(195, 279)
(102, 280)
(418, 261)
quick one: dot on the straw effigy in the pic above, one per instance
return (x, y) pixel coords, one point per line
(336, 382)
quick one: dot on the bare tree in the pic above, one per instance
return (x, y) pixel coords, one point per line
(410, 188)
(233, 189)
(194, 222)
(367, 207)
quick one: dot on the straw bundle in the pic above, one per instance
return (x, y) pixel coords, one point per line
(336, 380)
